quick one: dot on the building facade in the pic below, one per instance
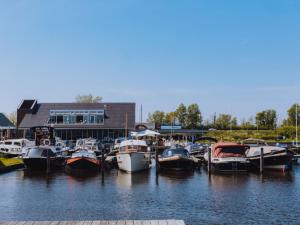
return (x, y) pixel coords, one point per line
(71, 121)
(7, 128)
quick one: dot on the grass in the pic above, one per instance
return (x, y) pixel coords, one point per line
(239, 135)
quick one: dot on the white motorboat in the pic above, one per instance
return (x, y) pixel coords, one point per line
(228, 157)
(275, 158)
(133, 156)
(13, 147)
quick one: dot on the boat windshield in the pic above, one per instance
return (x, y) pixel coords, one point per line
(8, 143)
(134, 148)
(172, 152)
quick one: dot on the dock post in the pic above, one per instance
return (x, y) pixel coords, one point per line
(261, 164)
(102, 165)
(48, 161)
(156, 160)
(209, 161)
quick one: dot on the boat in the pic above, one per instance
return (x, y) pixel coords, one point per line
(45, 155)
(13, 148)
(175, 159)
(200, 146)
(83, 160)
(275, 158)
(39, 158)
(228, 157)
(133, 156)
(89, 144)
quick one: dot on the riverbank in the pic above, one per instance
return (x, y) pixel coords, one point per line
(9, 164)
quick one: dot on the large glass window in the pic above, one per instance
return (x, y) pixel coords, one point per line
(77, 116)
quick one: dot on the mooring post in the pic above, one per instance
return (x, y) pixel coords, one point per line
(48, 161)
(102, 164)
(209, 161)
(156, 160)
(261, 160)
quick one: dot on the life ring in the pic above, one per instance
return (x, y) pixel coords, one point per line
(46, 142)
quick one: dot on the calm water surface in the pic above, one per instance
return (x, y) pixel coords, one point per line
(195, 198)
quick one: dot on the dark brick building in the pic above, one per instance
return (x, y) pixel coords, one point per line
(104, 121)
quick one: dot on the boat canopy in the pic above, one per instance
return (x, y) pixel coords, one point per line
(148, 133)
(228, 149)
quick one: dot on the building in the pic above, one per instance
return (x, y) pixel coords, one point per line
(6, 127)
(71, 121)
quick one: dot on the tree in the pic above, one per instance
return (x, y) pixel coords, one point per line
(291, 120)
(13, 117)
(170, 118)
(181, 114)
(248, 124)
(226, 122)
(88, 99)
(266, 119)
(194, 117)
(156, 117)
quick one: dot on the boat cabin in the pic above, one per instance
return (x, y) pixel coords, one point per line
(133, 146)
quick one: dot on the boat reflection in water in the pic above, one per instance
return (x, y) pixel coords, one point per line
(124, 179)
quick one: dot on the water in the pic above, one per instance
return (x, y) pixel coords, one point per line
(195, 198)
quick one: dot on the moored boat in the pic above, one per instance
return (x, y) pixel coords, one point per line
(38, 158)
(133, 156)
(83, 160)
(275, 158)
(13, 147)
(175, 159)
(228, 157)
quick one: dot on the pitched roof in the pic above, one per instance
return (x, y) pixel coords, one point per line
(115, 115)
(5, 123)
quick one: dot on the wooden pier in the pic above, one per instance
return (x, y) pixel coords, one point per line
(120, 222)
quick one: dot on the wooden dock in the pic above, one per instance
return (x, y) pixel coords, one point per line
(120, 222)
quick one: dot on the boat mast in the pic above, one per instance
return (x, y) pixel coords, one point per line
(296, 125)
(126, 126)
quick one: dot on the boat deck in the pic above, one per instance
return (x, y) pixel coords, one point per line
(120, 222)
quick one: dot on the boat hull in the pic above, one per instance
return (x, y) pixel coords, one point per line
(133, 161)
(281, 161)
(40, 164)
(83, 164)
(176, 163)
(230, 167)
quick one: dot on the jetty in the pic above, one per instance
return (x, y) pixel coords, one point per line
(98, 222)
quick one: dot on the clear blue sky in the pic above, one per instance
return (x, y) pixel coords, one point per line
(232, 56)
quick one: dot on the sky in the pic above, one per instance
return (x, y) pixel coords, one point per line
(233, 56)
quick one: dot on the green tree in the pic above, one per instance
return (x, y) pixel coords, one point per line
(181, 114)
(226, 122)
(88, 99)
(13, 117)
(156, 117)
(291, 120)
(266, 119)
(194, 118)
(170, 118)
(248, 124)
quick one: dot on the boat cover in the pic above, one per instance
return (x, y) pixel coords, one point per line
(228, 149)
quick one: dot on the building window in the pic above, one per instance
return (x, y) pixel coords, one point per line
(59, 119)
(79, 119)
(93, 116)
(92, 119)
